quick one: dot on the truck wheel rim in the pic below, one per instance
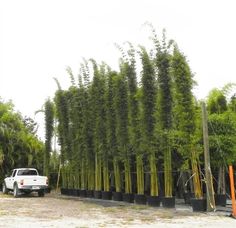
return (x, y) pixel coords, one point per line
(15, 191)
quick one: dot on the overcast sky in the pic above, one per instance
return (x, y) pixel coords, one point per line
(40, 38)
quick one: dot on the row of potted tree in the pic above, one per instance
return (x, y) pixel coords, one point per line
(111, 125)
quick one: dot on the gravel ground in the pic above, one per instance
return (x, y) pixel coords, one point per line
(56, 211)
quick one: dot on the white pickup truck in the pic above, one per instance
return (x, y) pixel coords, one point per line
(25, 180)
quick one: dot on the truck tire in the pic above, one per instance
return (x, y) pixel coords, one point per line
(41, 193)
(4, 188)
(15, 191)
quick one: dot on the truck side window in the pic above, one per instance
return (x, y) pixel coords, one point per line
(14, 173)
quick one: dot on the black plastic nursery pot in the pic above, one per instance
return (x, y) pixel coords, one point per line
(106, 195)
(97, 194)
(168, 202)
(117, 196)
(187, 197)
(198, 205)
(220, 200)
(63, 191)
(89, 193)
(82, 193)
(75, 192)
(70, 192)
(154, 201)
(140, 199)
(128, 197)
(66, 192)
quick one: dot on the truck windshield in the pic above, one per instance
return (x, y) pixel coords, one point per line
(29, 172)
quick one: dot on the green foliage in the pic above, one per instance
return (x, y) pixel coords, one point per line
(108, 122)
(49, 126)
(121, 102)
(216, 101)
(19, 146)
(164, 115)
(149, 92)
(98, 95)
(222, 138)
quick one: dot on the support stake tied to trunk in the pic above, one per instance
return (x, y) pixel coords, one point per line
(209, 182)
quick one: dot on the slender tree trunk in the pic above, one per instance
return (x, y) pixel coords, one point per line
(98, 173)
(91, 175)
(168, 172)
(117, 174)
(196, 177)
(128, 184)
(153, 175)
(83, 174)
(106, 182)
(140, 174)
(221, 181)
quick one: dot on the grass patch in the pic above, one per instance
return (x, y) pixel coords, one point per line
(5, 196)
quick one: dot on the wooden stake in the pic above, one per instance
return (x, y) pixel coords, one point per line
(209, 182)
(58, 177)
(231, 176)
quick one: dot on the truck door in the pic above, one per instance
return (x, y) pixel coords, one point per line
(12, 179)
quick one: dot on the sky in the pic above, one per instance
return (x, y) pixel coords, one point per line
(40, 38)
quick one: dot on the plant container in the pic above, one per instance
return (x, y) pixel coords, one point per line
(140, 199)
(128, 197)
(97, 194)
(106, 195)
(220, 200)
(70, 192)
(63, 191)
(187, 197)
(73, 192)
(168, 202)
(154, 201)
(82, 193)
(77, 192)
(89, 193)
(117, 196)
(198, 205)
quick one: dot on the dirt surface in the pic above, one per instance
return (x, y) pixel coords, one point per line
(58, 211)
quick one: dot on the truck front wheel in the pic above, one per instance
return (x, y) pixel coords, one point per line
(15, 191)
(4, 188)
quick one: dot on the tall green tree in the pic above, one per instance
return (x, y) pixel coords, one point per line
(123, 140)
(112, 129)
(149, 93)
(184, 116)
(134, 116)
(88, 126)
(49, 127)
(165, 104)
(100, 139)
(19, 144)
(62, 115)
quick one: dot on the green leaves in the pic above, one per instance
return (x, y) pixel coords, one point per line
(19, 146)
